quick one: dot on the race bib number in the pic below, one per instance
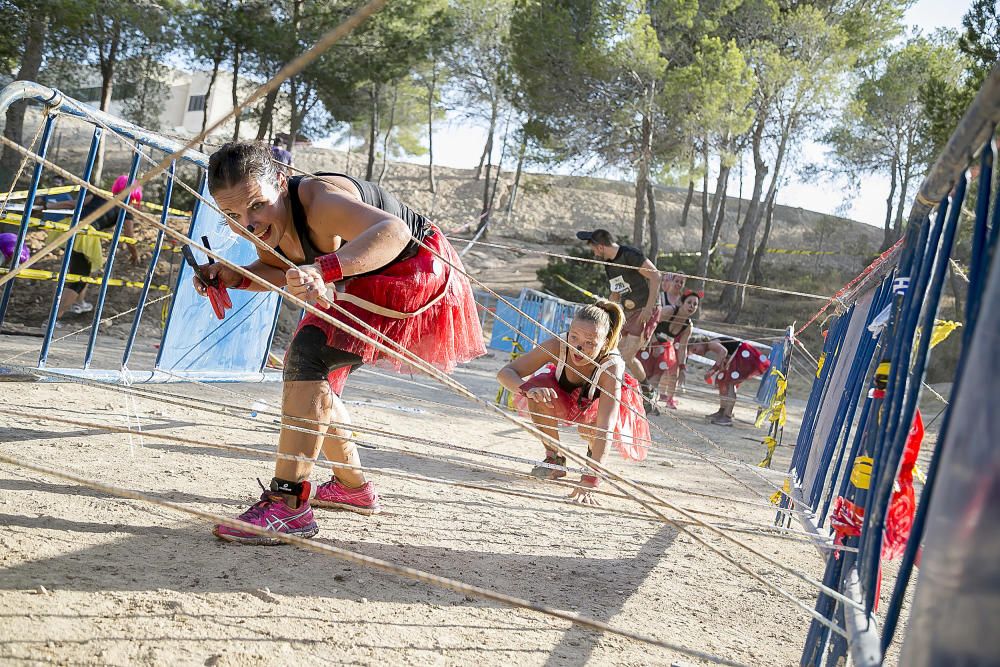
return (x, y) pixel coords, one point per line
(619, 286)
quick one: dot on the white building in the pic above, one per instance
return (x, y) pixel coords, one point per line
(185, 103)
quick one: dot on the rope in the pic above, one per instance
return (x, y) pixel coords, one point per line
(856, 283)
(606, 263)
(281, 258)
(615, 480)
(367, 561)
(104, 320)
(768, 529)
(20, 167)
(295, 66)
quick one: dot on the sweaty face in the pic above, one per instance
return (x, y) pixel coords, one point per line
(585, 338)
(690, 306)
(257, 208)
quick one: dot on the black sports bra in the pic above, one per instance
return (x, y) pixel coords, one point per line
(371, 194)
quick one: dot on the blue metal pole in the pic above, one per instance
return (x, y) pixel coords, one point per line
(980, 242)
(194, 218)
(88, 169)
(29, 203)
(977, 278)
(102, 295)
(152, 267)
(879, 503)
(866, 365)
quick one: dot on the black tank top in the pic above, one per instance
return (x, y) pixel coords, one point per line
(663, 328)
(371, 194)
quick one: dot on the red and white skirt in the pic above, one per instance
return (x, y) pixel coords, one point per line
(745, 363)
(630, 428)
(444, 334)
(658, 359)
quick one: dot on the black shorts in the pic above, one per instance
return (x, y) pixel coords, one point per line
(309, 358)
(80, 265)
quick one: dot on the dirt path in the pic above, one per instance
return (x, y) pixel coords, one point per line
(128, 583)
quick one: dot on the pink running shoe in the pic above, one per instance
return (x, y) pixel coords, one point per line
(363, 500)
(272, 513)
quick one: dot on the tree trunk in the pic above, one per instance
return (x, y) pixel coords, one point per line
(31, 63)
(430, 127)
(642, 177)
(488, 149)
(267, 116)
(687, 203)
(748, 228)
(720, 217)
(769, 199)
(887, 230)
(108, 64)
(654, 236)
(388, 133)
(237, 61)
(711, 226)
(956, 291)
(690, 192)
(756, 269)
(904, 187)
(373, 123)
(216, 63)
(516, 186)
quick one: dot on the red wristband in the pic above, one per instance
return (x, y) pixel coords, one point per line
(244, 284)
(329, 267)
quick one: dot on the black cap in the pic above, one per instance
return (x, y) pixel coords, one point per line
(600, 236)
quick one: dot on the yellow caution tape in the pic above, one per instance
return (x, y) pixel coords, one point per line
(789, 251)
(771, 444)
(61, 190)
(819, 364)
(786, 490)
(942, 329)
(35, 223)
(861, 475)
(775, 412)
(37, 274)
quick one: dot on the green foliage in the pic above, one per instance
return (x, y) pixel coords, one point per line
(687, 263)
(587, 275)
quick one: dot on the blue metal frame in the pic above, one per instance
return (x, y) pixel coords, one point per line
(88, 170)
(109, 265)
(152, 266)
(29, 203)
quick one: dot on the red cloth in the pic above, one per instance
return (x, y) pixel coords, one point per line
(745, 363)
(657, 360)
(631, 429)
(903, 506)
(446, 334)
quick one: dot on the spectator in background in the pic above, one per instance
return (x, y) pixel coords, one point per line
(280, 153)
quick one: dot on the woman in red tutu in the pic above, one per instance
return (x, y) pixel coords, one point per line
(741, 361)
(601, 398)
(665, 360)
(356, 245)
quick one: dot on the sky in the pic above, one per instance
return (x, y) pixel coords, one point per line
(459, 142)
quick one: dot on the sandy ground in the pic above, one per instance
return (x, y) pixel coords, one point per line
(92, 579)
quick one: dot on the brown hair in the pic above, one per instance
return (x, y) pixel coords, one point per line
(237, 161)
(609, 318)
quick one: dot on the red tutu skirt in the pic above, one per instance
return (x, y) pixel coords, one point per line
(630, 429)
(657, 360)
(445, 334)
(746, 362)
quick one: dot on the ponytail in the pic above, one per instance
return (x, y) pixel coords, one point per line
(609, 317)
